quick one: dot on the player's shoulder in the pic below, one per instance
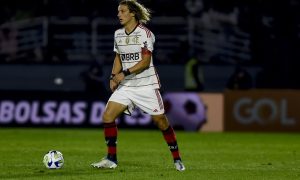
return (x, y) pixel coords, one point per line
(120, 32)
(145, 30)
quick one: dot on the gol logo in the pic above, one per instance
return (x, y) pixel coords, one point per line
(262, 111)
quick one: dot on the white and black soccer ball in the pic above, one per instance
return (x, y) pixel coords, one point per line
(53, 159)
(185, 110)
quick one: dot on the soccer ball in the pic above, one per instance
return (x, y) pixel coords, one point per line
(53, 160)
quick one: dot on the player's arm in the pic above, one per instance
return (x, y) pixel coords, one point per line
(137, 68)
(116, 69)
(143, 64)
(117, 66)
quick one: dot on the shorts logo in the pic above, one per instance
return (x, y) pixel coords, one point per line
(155, 110)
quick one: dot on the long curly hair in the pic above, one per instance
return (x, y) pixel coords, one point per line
(142, 14)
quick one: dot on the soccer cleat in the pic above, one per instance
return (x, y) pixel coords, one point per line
(179, 165)
(105, 163)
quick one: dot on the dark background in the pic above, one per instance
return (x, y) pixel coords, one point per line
(259, 34)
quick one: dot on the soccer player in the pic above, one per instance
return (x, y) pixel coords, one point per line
(134, 81)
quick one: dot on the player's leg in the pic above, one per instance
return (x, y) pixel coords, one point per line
(150, 101)
(168, 132)
(112, 111)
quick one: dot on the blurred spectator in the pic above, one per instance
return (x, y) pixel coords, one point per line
(94, 79)
(194, 7)
(8, 44)
(194, 80)
(240, 79)
(54, 51)
(36, 55)
(55, 54)
(181, 54)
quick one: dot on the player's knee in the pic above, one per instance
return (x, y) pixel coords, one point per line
(107, 117)
(161, 121)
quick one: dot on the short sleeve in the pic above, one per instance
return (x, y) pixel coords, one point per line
(148, 40)
(116, 49)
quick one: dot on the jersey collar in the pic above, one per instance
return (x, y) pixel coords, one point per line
(132, 30)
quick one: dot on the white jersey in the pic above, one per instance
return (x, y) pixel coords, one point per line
(129, 47)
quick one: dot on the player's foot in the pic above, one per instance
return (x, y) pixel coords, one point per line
(179, 165)
(105, 163)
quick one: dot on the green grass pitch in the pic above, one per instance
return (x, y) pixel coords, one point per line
(143, 154)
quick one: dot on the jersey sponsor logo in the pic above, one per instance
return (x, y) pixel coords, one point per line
(130, 57)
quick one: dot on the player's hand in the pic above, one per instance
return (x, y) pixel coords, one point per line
(113, 85)
(118, 78)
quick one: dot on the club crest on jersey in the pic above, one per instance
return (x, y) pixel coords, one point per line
(135, 40)
(127, 40)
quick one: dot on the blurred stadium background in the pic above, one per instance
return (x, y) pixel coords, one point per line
(230, 83)
(224, 65)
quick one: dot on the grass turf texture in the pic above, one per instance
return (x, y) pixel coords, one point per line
(143, 154)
